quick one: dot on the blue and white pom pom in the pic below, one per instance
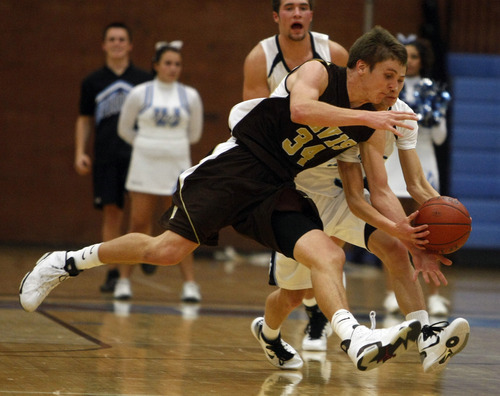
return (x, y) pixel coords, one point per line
(431, 102)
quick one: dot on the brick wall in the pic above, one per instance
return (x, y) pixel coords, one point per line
(48, 46)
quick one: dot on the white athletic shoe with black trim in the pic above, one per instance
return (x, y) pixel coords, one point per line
(50, 270)
(278, 352)
(369, 348)
(439, 342)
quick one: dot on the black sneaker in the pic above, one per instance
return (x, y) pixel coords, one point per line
(317, 330)
(111, 278)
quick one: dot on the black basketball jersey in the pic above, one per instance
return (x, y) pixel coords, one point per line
(289, 148)
(102, 96)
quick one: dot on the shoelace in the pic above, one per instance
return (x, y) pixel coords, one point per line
(373, 321)
(319, 322)
(281, 352)
(430, 330)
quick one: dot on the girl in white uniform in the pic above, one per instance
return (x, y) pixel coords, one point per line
(160, 119)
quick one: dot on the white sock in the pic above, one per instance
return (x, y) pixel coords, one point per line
(343, 323)
(422, 316)
(270, 334)
(87, 257)
(309, 302)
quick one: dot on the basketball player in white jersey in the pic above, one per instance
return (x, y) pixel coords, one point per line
(337, 188)
(273, 58)
(265, 66)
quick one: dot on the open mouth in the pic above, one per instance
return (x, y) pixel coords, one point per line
(297, 26)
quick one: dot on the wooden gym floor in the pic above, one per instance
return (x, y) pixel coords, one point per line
(81, 342)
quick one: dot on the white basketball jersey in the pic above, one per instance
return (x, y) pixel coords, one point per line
(276, 66)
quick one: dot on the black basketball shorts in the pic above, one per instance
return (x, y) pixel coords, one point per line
(232, 187)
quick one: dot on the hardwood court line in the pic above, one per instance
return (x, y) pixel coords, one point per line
(75, 330)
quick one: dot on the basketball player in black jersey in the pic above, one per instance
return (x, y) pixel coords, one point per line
(247, 182)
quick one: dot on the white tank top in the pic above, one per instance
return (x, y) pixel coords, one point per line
(276, 66)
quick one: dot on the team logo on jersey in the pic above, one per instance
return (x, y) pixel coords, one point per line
(331, 137)
(109, 102)
(164, 117)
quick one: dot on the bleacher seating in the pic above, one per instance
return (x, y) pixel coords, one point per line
(475, 143)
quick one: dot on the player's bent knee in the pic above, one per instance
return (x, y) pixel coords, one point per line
(293, 297)
(168, 250)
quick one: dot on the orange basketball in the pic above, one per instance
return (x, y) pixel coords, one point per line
(449, 224)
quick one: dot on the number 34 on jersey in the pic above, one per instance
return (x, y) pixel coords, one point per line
(332, 138)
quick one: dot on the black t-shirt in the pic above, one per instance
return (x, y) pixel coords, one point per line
(287, 147)
(102, 96)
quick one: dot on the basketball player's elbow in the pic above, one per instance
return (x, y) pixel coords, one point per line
(299, 113)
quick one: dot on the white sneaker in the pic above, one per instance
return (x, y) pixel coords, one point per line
(391, 303)
(317, 331)
(370, 348)
(438, 305)
(191, 292)
(50, 270)
(123, 290)
(440, 341)
(278, 352)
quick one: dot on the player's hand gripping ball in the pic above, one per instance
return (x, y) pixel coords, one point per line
(449, 224)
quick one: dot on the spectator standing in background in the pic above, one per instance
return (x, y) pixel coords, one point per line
(102, 95)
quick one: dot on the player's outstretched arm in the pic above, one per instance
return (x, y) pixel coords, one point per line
(382, 197)
(416, 183)
(352, 182)
(425, 263)
(308, 82)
